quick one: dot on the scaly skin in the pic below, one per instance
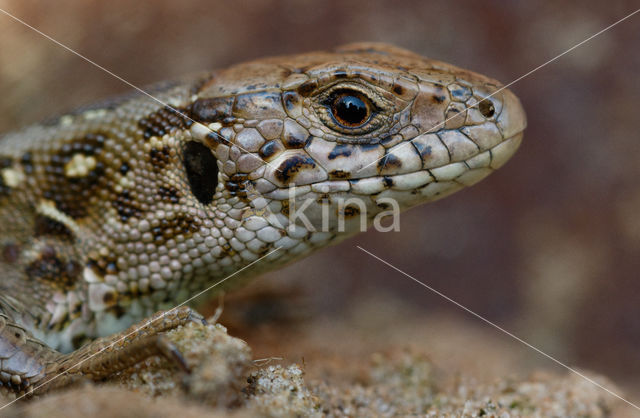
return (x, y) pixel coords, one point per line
(114, 212)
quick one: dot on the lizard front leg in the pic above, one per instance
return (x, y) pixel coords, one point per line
(28, 366)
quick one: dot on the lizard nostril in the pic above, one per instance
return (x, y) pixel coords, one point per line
(202, 171)
(486, 108)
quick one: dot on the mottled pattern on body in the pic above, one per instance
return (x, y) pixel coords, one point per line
(118, 210)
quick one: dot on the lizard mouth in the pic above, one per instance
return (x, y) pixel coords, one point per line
(413, 187)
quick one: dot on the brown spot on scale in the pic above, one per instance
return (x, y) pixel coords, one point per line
(183, 224)
(340, 150)
(27, 162)
(237, 187)
(214, 139)
(389, 163)
(126, 206)
(285, 210)
(339, 174)
(209, 110)
(71, 194)
(350, 211)
(295, 136)
(423, 149)
(308, 87)
(269, 149)
(45, 226)
(124, 168)
(163, 121)
(49, 267)
(290, 167)
(169, 194)
(438, 98)
(159, 158)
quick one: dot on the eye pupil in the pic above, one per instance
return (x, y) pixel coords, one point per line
(350, 110)
(486, 108)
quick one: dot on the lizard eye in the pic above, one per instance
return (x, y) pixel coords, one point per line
(350, 109)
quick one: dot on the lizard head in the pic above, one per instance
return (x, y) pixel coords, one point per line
(348, 133)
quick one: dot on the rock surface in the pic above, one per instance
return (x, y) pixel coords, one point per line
(397, 381)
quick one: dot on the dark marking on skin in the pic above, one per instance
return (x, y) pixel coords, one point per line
(49, 267)
(387, 181)
(255, 105)
(215, 109)
(111, 268)
(159, 158)
(79, 340)
(285, 209)
(202, 171)
(439, 99)
(10, 252)
(292, 141)
(368, 147)
(237, 185)
(290, 100)
(5, 190)
(104, 265)
(460, 93)
(389, 162)
(268, 150)
(109, 298)
(126, 207)
(182, 224)
(324, 199)
(398, 90)
(350, 211)
(290, 167)
(163, 121)
(308, 87)
(27, 162)
(169, 194)
(124, 169)
(71, 195)
(423, 150)
(384, 141)
(214, 139)
(239, 177)
(45, 226)
(340, 150)
(339, 174)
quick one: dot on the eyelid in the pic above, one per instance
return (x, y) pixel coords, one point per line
(377, 101)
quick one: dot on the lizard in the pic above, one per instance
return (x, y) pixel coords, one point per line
(123, 209)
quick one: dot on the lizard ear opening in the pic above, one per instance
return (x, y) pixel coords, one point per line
(201, 167)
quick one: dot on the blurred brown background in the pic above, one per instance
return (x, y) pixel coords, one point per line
(548, 247)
